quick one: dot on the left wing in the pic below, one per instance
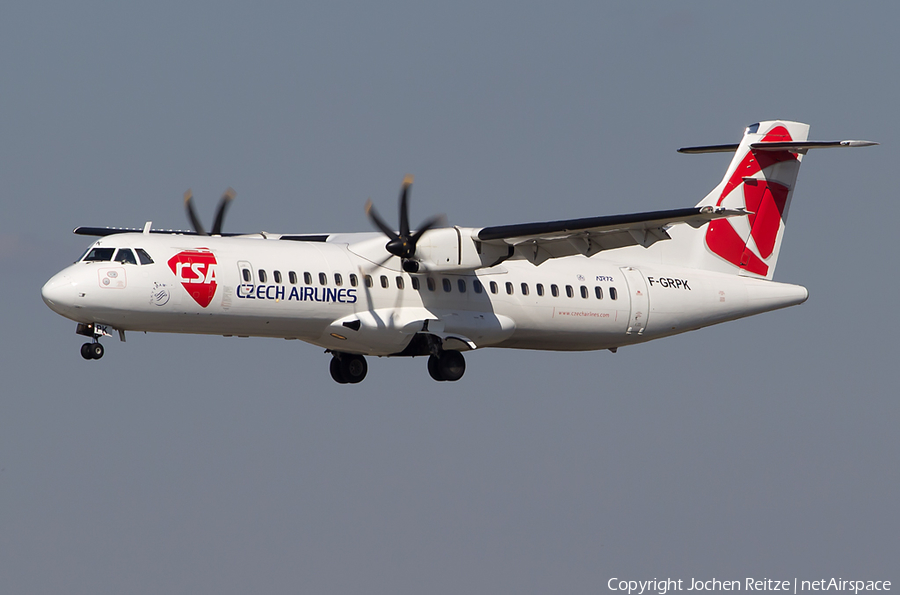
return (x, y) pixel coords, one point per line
(554, 239)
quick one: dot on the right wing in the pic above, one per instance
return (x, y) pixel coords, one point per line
(538, 242)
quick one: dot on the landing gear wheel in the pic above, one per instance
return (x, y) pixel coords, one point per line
(96, 350)
(353, 367)
(449, 365)
(335, 368)
(433, 369)
(452, 365)
(86, 351)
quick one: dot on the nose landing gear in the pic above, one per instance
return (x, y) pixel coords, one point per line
(92, 351)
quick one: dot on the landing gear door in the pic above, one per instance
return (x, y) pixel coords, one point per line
(639, 300)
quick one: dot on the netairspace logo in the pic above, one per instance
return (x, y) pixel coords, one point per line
(663, 586)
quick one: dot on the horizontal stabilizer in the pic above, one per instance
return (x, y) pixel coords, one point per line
(709, 149)
(812, 144)
(791, 146)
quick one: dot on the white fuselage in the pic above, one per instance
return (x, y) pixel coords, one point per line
(317, 291)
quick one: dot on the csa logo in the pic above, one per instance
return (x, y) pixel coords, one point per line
(196, 269)
(765, 199)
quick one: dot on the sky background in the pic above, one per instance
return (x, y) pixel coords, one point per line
(766, 447)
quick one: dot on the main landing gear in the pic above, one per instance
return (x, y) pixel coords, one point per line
(351, 368)
(348, 368)
(448, 365)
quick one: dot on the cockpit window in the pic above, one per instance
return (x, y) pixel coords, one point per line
(125, 256)
(99, 254)
(143, 256)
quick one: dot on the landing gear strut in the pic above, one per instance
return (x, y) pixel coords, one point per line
(348, 368)
(449, 365)
(93, 350)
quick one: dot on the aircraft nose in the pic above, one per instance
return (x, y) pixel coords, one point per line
(59, 293)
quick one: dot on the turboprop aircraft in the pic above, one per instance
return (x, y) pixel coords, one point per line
(438, 291)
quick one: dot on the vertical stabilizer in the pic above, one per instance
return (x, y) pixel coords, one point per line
(761, 180)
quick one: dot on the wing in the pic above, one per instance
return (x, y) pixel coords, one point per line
(554, 239)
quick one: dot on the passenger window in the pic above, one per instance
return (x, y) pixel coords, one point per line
(477, 286)
(461, 284)
(384, 281)
(247, 275)
(446, 283)
(430, 282)
(323, 279)
(125, 256)
(399, 281)
(292, 277)
(494, 288)
(307, 278)
(262, 276)
(598, 291)
(277, 276)
(584, 292)
(524, 288)
(99, 254)
(338, 280)
(540, 288)
(369, 282)
(143, 256)
(613, 294)
(509, 288)
(569, 291)
(354, 280)
(415, 283)
(554, 290)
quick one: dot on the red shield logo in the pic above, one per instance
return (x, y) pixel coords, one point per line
(196, 269)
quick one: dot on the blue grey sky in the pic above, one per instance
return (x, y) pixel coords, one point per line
(766, 447)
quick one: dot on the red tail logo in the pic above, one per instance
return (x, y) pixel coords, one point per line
(764, 199)
(196, 269)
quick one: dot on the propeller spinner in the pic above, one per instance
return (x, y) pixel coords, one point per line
(403, 244)
(224, 202)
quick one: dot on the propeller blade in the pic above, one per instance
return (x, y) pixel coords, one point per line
(404, 206)
(378, 221)
(224, 203)
(403, 245)
(192, 214)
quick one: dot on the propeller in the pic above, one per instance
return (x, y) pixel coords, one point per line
(403, 244)
(224, 202)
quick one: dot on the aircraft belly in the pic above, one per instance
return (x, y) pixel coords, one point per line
(569, 326)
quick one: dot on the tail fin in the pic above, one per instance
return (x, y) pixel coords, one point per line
(760, 179)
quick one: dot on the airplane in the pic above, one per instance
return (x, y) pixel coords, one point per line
(439, 291)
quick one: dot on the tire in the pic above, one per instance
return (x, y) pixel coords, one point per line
(96, 350)
(353, 368)
(335, 368)
(433, 369)
(451, 365)
(86, 351)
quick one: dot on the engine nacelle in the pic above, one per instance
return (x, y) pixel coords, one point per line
(452, 249)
